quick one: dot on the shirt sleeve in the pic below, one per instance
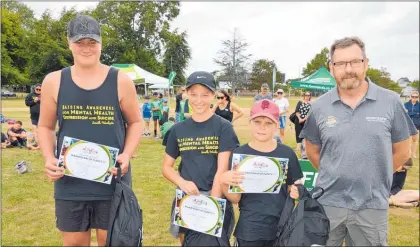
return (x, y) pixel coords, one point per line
(400, 124)
(311, 130)
(172, 148)
(294, 172)
(228, 140)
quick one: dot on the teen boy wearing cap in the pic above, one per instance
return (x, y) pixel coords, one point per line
(264, 93)
(283, 105)
(82, 205)
(201, 164)
(260, 213)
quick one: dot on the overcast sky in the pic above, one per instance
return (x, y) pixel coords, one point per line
(292, 33)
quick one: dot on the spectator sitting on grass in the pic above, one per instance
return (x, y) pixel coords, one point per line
(4, 141)
(17, 135)
(398, 196)
(31, 143)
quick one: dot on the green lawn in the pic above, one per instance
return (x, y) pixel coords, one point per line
(28, 206)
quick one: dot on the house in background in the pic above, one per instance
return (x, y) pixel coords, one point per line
(406, 89)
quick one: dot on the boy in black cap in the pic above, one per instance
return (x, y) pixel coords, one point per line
(114, 120)
(201, 164)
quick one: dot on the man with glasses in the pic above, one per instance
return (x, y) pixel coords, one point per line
(33, 101)
(264, 93)
(357, 136)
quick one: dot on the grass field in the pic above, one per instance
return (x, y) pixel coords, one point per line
(27, 208)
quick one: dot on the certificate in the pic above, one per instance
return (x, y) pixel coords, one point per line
(262, 174)
(200, 213)
(87, 160)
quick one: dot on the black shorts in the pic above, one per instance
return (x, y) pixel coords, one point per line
(155, 118)
(80, 216)
(261, 243)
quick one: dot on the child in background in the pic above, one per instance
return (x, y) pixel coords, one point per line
(165, 112)
(157, 114)
(147, 114)
(166, 126)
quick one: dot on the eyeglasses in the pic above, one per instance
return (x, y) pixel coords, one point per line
(220, 97)
(37, 89)
(307, 95)
(414, 97)
(355, 63)
(279, 93)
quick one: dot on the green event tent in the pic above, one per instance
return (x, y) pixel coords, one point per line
(320, 80)
(131, 71)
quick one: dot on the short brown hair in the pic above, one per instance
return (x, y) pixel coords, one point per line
(19, 122)
(346, 42)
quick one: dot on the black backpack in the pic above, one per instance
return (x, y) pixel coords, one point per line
(126, 217)
(306, 224)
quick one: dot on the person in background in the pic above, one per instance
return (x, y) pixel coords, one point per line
(225, 108)
(31, 144)
(147, 114)
(5, 143)
(157, 112)
(413, 109)
(302, 109)
(165, 127)
(33, 101)
(264, 93)
(178, 99)
(165, 112)
(283, 105)
(17, 135)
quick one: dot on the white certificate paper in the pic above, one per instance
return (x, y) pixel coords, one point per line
(199, 213)
(87, 160)
(262, 174)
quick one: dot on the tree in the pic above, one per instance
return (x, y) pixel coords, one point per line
(14, 55)
(382, 78)
(262, 72)
(415, 84)
(320, 59)
(177, 56)
(232, 59)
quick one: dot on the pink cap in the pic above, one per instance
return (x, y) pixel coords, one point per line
(265, 108)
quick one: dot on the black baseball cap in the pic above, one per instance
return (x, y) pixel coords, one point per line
(84, 27)
(203, 78)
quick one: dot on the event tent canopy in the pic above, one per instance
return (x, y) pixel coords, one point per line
(319, 80)
(135, 71)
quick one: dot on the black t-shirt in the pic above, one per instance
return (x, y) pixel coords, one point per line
(198, 144)
(16, 131)
(260, 213)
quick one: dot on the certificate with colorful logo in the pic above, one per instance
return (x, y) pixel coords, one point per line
(87, 160)
(262, 174)
(199, 213)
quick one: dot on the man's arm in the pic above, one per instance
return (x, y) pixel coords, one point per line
(128, 102)
(400, 153)
(313, 153)
(10, 133)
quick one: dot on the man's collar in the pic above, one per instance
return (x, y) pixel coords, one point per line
(371, 94)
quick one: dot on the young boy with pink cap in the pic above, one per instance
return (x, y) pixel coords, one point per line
(260, 212)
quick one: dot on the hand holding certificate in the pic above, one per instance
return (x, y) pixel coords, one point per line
(199, 213)
(262, 174)
(87, 160)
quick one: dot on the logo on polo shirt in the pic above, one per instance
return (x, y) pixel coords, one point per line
(376, 119)
(331, 121)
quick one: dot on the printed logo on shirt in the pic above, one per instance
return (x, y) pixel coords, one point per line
(206, 145)
(102, 115)
(376, 119)
(331, 121)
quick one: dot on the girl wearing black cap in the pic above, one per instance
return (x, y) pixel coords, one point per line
(201, 164)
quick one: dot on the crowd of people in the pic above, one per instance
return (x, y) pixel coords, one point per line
(357, 136)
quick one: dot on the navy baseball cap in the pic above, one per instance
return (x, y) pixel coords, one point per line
(203, 78)
(84, 27)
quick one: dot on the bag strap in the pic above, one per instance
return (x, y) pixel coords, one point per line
(286, 212)
(119, 174)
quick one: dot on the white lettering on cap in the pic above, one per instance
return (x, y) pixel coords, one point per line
(199, 77)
